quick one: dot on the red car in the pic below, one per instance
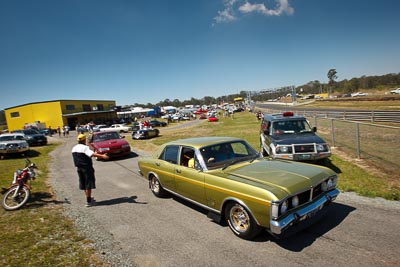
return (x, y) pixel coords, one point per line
(110, 142)
(200, 111)
(212, 118)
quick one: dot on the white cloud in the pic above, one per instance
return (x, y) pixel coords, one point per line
(228, 14)
(232, 7)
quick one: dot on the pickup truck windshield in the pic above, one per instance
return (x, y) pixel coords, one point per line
(290, 127)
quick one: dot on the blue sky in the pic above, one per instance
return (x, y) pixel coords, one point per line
(136, 51)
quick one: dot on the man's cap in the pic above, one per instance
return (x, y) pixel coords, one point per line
(81, 137)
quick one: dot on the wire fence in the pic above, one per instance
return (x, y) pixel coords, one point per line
(377, 144)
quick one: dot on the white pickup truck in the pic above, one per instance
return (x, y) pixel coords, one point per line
(121, 128)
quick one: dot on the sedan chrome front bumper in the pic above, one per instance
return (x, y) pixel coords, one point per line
(303, 217)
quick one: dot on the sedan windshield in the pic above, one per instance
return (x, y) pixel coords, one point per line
(105, 136)
(218, 155)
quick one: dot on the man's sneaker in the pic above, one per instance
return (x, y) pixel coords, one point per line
(91, 203)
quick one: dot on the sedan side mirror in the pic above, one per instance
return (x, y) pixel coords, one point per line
(314, 129)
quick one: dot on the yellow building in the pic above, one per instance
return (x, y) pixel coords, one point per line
(59, 113)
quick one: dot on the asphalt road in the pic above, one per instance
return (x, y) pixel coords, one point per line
(170, 232)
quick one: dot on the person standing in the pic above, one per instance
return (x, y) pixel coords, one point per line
(82, 156)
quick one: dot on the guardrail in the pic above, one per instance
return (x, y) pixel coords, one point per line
(365, 116)
(387, 116)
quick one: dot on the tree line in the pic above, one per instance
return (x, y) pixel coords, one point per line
(345, 86)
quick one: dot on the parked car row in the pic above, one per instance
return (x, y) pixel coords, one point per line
(20, 141)
(33, 137)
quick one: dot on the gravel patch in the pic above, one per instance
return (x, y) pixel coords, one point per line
(108, 249)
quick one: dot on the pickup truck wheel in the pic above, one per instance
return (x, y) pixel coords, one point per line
(241, 222)
(156, 188)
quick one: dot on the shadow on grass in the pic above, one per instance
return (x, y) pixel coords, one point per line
(29, 154)
(328, 163)
(40, 199)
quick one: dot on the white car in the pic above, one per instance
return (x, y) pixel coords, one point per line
(13, 143)
(121, 128)
(97, 128)
(359, 94)
(395, 91)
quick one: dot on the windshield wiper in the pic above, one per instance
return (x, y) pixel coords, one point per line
(233, 161)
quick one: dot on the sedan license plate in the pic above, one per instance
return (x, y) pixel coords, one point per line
(311, 213)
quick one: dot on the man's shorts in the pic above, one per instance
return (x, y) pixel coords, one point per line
(86, 178)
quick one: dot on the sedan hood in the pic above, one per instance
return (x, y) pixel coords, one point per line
(305, 138)
(110, 143)
(280, 177)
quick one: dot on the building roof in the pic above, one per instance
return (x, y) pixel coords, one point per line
(59, 100)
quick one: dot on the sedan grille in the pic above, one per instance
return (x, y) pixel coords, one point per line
(13, 145)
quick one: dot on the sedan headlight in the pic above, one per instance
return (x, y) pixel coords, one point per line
(104, 149)
(331, 183)
(295, 201)
(284, 207)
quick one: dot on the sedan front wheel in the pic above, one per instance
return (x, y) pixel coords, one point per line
(241, 222)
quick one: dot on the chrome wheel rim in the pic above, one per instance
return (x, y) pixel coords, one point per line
(155, 185)
(239, 218)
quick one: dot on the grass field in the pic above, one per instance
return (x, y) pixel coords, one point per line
(38, 234)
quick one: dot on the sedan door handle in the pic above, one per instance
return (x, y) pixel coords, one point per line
(178, 171)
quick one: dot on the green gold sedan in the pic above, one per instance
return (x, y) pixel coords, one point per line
(233, 182)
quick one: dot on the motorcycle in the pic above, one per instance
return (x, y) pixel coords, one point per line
(20, 191)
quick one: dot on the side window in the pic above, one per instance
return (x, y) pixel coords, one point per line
(170, 154)
(187, 157)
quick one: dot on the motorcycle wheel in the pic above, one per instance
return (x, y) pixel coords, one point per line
(10, 203)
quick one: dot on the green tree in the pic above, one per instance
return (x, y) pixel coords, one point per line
(332, 76)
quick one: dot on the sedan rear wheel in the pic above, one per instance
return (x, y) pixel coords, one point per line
(241, 222)
(156, 187)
